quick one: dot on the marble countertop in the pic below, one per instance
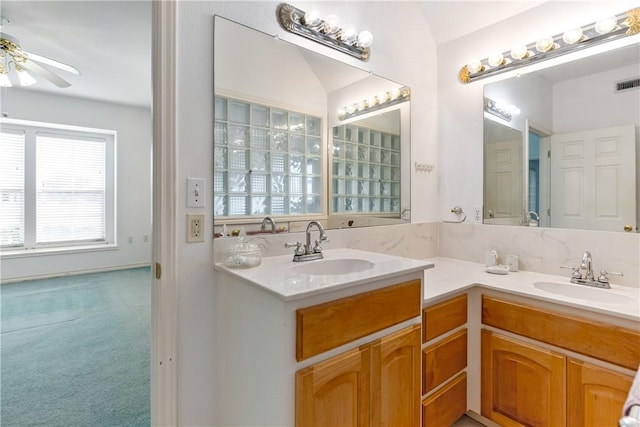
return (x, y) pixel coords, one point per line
(280, 276)
(450, 276)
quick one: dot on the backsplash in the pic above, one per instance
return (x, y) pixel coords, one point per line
(417, 241)
(544, 250)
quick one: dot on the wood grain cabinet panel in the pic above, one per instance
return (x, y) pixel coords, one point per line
(335, 392)
(522, 384)
(396, 379)
(595, 395)
(335, 323)
(446, 405)
(443, 360)
(620, 346)
(444, 317)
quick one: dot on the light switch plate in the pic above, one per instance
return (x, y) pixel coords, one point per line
(195, 193)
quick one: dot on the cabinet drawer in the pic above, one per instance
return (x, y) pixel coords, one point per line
(335, 323)
(443, 360)
(443, 317)
(446, 405)
(610, 343)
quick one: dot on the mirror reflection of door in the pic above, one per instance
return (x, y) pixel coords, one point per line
(503, 193)
(594, 179)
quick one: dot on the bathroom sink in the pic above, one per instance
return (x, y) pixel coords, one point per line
(583, 292)
(333, 266)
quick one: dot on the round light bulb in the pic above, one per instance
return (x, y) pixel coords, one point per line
(349, 34)
(519, 52)
(373, 101)
(365, 38)
(545, 44)
(496, 60)
(312, 18)
(572, 36)
(331, 24)
(394, 94)
(606, 25)
(475, 66)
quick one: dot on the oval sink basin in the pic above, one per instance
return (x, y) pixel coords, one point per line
(583, 292)
(333, 266)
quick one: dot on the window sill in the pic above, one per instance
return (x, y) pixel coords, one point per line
(59, 250)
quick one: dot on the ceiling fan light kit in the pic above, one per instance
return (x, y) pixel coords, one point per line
(23, 66)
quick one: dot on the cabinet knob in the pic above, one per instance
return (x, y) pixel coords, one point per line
(628, 228)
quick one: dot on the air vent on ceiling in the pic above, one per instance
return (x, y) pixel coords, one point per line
(628, 84)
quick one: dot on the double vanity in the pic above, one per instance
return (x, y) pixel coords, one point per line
(363, 338)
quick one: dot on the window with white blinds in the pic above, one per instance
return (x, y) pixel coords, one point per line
(11, 188)
(57, 186)
(70, 189)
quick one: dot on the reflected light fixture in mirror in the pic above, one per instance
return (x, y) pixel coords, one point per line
(325, 31)
(375, 102)
(498, 109)
(605, 30)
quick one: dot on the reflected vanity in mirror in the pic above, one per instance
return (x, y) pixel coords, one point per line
(280, 149)
(566, 153)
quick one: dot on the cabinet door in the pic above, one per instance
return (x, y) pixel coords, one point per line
(335, 392)
(522, 384)
(396, 379)
(595, 395)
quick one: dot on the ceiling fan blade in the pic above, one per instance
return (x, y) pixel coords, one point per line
(40, 70)
(53, 63)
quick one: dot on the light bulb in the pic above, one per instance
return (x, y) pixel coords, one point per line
(331, 24)
(572, 36)
(341, 112)
(311, 18)
(545, 44)
(365, 38)
(496, 60)
(349, 34)
(394, 94)
(25, 78)
(606, 25)
(372, 101)
(475, 66)
(519, 52)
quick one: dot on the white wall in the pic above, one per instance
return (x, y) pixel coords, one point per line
(133, 125)
(398, 54)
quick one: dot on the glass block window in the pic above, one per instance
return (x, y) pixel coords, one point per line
(267, 160)
(365, 171)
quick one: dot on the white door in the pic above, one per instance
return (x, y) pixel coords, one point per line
(503, 182)
(593, 179)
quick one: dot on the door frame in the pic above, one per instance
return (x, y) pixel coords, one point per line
(164, 322)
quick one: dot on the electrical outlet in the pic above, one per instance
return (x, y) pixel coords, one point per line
(195, 228)
(477, 214)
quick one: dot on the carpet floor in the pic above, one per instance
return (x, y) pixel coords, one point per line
(75, 351)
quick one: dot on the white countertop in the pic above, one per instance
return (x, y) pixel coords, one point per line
(451, 276)
(278, 275)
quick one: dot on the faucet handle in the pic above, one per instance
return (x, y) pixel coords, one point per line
(297, 245)
(604, 278)
(575, 274)
(317, 248)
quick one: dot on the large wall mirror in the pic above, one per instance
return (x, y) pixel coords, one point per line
(280, 149)
(568, 158)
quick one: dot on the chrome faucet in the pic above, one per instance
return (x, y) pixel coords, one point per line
(306, 252)
(263, 227)
(587, 264)
(602, 281)
(531, 215)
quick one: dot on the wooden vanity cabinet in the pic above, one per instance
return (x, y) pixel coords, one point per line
(443, 360)
(521, 384)
(376, 384)
(525, 384)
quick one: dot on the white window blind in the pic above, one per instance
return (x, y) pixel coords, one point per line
(12, 146)
(70, 189)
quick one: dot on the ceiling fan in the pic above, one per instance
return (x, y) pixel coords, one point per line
(13, 58)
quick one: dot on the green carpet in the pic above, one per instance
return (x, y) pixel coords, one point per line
(75, 351)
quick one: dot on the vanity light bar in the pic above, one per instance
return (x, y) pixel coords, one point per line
(326, 32)
(493, 107)
(604, 30)
(376, 102)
